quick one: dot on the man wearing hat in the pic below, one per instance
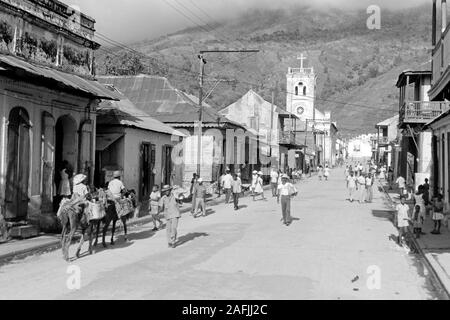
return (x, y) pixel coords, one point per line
(286, 191)
(80, 190)
(200, 196)
(227, 181)
(274, 181)
(115, 186)
(170, 208)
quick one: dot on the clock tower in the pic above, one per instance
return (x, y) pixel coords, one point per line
(301, 85)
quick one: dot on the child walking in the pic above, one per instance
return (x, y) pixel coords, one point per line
(155, 197)
(438, 214)
(417, 222)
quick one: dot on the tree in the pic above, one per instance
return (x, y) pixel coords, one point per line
(121, 64)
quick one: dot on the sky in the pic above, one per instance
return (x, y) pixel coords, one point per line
(128, 21)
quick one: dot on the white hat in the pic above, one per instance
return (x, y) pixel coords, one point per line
(284, 176)
(255, 172)
(199, 180)
(79, 178)
(117, 174)
(260, 173)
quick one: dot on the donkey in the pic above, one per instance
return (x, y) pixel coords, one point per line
(73, 215)
(126, 207)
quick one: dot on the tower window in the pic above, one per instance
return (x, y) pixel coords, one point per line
(304, 91)
(296, 91)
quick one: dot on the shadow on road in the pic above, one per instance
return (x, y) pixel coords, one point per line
(190, 237)
(384, 214)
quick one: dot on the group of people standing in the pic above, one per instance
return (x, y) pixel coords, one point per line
(359, 184)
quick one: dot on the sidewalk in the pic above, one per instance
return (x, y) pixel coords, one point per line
(19, 249)
(434, 248)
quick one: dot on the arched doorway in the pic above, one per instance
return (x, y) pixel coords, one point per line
(66, 148)
(18, 165)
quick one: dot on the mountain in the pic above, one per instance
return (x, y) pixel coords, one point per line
(357, 68)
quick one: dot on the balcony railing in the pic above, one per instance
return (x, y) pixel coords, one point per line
(421, 112)
(287, 138)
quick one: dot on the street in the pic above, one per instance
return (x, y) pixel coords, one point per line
(248, 254)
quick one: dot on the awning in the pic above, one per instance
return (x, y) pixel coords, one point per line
(9, 63)
(103, 141)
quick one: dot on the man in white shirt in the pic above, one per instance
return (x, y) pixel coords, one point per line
(227, 182)
(286, 191)
(351, 185)
(401, 182)
(369, 188)
(361, 188)
(402, 219)
(116, 186)
(274, 181)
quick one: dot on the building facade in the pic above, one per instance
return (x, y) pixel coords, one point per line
(48, 106)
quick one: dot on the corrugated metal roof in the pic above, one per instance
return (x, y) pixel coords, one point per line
(158, 98)
(71, 81)
(389, 121)
(125, 113)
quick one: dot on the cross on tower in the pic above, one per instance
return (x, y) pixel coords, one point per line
(301, 58)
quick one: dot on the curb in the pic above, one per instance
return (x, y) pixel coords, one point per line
(429, 264)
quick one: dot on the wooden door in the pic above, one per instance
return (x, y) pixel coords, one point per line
(147, 170)
(18, 165)
(167, 165)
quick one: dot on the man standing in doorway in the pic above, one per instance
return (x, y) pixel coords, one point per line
(226, 185)
(274, 181)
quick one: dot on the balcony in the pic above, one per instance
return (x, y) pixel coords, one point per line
(287, 138)
(421, 112)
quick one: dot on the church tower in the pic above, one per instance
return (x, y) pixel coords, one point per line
(301, 85)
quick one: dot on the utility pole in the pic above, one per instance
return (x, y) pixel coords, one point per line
(200, 120)
(200, 98)
(306, 147)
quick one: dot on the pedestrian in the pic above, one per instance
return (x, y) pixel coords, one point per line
(369, 188)
(64, 186)
(169, 206)
(80, 189)
(253, 185)
(155, 197)
(200, 198)
(237, 190)
(220, 183)
(326, 172)
(193, 184)
(419, 200)
(382, 175)
(390, 177)
(438, 214)
(259, 190)
(286, 191)
(320, 172)
(402, 219)
(274, 181)
(361, 184)
(351, 185)
(346, 172)
(417, 222)
(226, 185)
(401, 182)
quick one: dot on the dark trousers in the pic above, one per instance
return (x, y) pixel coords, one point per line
(236, 200)
(227, 195)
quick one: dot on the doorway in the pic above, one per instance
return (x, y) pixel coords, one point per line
(167, 165)
(148, 161)
(18, 165)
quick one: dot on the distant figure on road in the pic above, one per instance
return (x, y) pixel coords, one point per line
(237, 190)
(274, 181)
(168, 204)
(155, 197)
(320, 172)
(402, 219)
(417, 222)
(254, 179)
(326, 172)
(369, 188)
(193, 184)
(351, 186)
(361, 189)
(286, 191)
(259, 190)
(401, 182)
(390, 177)
(200, 196)
(226, 185)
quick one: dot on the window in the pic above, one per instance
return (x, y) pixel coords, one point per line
(304, 91)
(296, 91)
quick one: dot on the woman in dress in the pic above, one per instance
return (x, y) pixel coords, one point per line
(259, 186)
(419, 201)
(64, 186)
(326, 172)
(320, 172)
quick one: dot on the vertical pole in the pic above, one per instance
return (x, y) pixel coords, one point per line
(433, 25)
(271, 123)
(200, 120)
(305, 147)
(444, 15)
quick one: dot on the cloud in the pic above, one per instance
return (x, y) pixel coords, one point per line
(132, 20)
